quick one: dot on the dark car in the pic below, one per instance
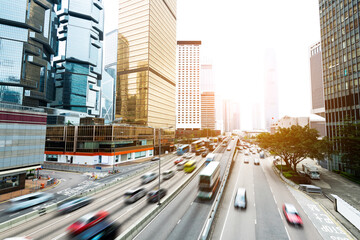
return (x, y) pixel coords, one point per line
(132, 196)
(103, 230)
(291, 214)
(153, 195)
(155, 159)
(73, 204)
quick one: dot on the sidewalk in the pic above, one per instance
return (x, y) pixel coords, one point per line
(30, 187)
(332, 183)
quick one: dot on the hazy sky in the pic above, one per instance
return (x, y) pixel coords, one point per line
(235, 35)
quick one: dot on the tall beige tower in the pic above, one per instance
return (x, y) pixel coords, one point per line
(145, 86)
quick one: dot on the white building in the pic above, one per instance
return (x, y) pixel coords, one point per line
(188, 100)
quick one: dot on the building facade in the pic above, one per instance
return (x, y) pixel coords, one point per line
(79, 59)
(317, 88)
(271, 104)
(146, 63)
(103, 144)
(27, 45)
(231, 114)
(22, 144)
(340, 66)
(188, 102)
(208, 110)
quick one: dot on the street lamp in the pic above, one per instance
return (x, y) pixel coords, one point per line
(159, 203)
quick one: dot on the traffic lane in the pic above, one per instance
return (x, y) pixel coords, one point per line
(101, 201)
(234, 223)
(282, 195)
(127, 214)
(269, 224)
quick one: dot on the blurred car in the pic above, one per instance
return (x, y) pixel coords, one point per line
(73, 204)
(188, 156)
(132, 196)
(180, 165)
(228, 149)
(148, 177)
(153, 195)
(155, 159)
(104, 230)
(29, 200)
(168, 174)
(246, 153)
(291, 214)
(256, 161)
(240, 198)
(246, 160)
(87, 221)
(178, 160)
(204, 154)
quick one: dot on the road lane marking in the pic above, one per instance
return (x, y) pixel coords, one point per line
(280, 214)
(191, 203)
(254, 204)
(255, 221)
(287, 233)
(275, 199)
(115, 204)
(103, 198)
(49, 225)
(178, 221)
(60, 236)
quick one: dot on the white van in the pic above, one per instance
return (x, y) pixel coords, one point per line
(29, 200)
(240, 198)
(148, 177)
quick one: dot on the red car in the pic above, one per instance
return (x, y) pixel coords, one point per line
(291, 214)
(178, 160)
(87, 221)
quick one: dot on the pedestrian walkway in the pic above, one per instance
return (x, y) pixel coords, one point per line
(30, 187)
(333, 183)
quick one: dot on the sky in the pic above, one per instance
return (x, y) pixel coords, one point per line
(235, 35)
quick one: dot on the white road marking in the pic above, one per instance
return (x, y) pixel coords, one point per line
(255, 221)
(14, 214)
(287, 233)
(179, 221)
(280, 214)
(103, 198)
(49, 225)
(115, 204)
(191, 203)
(275, 199)
(254, 204)
(60, 236)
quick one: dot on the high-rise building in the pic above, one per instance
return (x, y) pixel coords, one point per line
(271, 104)
(79, 59)
(340, 66)
(231, 114)
(145, 87)
(188, 102)
(256, 116)
(207, 89)
(317, 88)
(27, 44)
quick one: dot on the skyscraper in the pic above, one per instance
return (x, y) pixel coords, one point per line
(27, 44)
(340, 66)
(207, 89)
(317, 88)
(188, 107)
(231, 115)
(79, 59)
(145, 88)
(271, 104)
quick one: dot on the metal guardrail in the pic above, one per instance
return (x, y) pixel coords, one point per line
(207, 226)
(34, 214)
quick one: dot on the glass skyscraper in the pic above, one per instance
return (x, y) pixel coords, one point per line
(27, 45)
(145, 88)
(79, 59)
(339, 22)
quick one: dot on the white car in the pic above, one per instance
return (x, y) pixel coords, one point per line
(168, 174)
(228, 149)
(148, 177)
(240, 198)
(246, 160)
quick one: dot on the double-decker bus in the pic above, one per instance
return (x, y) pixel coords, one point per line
(209, 180)
(183, 149)
(189, 166)
(209, 158)
(196, 145)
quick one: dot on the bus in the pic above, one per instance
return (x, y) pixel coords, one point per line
(209, 180)
(190, 166)
(209, 158)
(183, 149)
(196, 145)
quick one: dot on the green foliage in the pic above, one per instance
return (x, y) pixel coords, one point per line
(287, 174)
(351, 177)
(293, 144)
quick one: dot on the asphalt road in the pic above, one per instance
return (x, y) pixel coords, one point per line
(185, 216)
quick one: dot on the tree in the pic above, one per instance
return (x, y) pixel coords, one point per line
(293, 144)
(350, 145)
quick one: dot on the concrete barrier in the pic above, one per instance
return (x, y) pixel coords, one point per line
(347, 211)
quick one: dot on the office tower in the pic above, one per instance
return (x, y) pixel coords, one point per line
(207, 89)
(256, 116)
(145, 87)
(271, 104)
(231, 114)
(22, 144)
(27, 44)
(188, 107)
(340, 66)
(317, 88)
(79, 58)
(109, 76)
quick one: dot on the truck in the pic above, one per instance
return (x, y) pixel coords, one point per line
(311, 171)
